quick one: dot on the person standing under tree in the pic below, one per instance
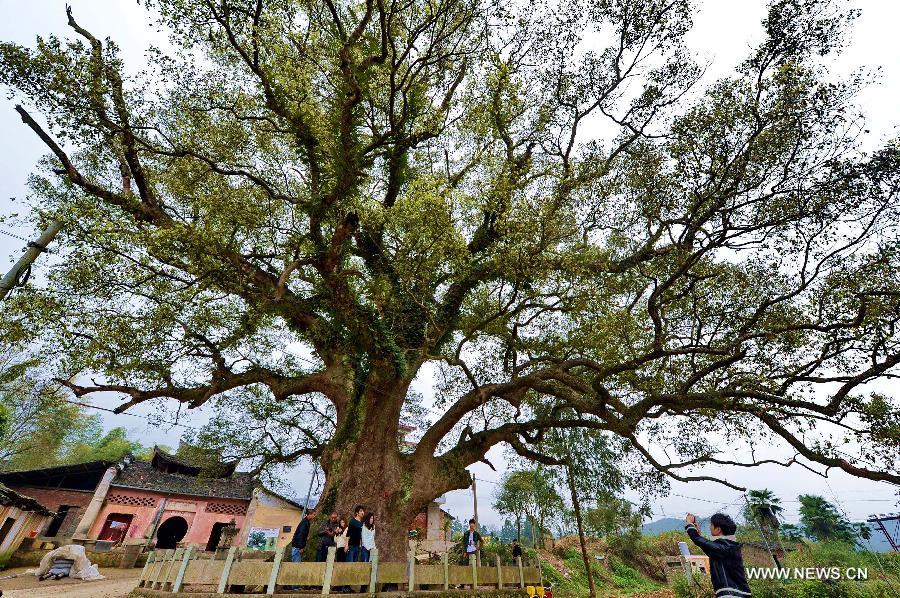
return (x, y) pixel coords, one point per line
(726, 563)
(368, 537)
(301, 535)
(516, 550)
(471, 541)
(341, 540)
(354, 534)
(327, 532)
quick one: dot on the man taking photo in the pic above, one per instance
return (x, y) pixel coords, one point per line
(726, 564)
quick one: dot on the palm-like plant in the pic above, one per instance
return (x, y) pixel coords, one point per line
(765, 508)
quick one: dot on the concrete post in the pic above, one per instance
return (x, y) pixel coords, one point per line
(445, 558)
(161, 558)
(411, 567)
(226, 570)
(474, 562)
(93, 509)
(179, 579)
(499, 572)
(329, 570)
(521, 572)
(373, 576)
(143, 578)
(168, 580)
(276, 565)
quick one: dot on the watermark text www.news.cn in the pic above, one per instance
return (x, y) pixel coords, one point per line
(809, 573)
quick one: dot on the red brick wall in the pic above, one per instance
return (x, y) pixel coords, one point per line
(53, 498)
(420, 522)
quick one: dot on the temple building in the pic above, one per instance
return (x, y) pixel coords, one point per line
(173, 500)
(165, 502)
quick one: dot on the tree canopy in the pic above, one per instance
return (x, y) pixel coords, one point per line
(302, 205)
(40, 428)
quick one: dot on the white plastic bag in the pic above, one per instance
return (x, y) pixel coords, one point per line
(81, 569)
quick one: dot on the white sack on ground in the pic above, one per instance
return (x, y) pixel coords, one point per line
(81, 569)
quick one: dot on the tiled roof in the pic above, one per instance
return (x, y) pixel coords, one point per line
(14, 499)
(77, 476)
(202, 461)
(142, 475)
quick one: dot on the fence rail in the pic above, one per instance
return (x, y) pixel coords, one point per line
(174, 570)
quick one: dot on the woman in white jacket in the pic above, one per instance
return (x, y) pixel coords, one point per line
(368, 537)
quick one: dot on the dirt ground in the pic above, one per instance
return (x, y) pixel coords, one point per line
(118, 583)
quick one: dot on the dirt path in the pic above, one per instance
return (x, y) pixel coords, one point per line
(118, 583)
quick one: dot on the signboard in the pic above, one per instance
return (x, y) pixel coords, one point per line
(262, 538)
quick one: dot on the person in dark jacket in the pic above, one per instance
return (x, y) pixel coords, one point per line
(301, 535)
(330, 528)
(471, 541)
(354, 534)
(729, 579)
(516, 550)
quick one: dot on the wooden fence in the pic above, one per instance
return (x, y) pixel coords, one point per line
(175, 570)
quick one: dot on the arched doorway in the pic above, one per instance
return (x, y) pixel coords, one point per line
(171, 532)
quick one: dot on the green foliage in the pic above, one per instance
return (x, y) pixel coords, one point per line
(44, 429)
(764, 508)
(94, 445)
(531, 493)
(296, 210)
(613, 575)
(822, 522)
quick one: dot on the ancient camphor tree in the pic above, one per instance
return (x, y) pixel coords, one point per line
(303, 204)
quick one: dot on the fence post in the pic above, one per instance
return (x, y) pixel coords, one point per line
(446, 562)
(329, 570)
(179, 579)
(411, 567)
(373, 575)
(474, 563)
(166, 580)
(276, 565)
(521, 572)
(226, 570)
(143, 578)
(499, 572)
(162, 563)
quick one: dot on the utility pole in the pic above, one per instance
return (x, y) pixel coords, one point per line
(13, 278)
(475, 516)
(312, 478)
(474, 499)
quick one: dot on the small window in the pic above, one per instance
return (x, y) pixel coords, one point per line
(4, 529)
(285, 529)
(57, 522)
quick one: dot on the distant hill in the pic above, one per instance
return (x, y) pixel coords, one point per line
(668, 524)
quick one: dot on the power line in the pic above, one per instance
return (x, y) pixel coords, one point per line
(13, 235)
(114, 412)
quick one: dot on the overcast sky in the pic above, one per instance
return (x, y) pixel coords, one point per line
(723, 33)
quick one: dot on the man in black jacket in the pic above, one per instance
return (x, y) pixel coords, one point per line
(301, 535)
(330, 528)
(726, 564)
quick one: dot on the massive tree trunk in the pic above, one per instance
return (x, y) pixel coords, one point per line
(364, 465)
